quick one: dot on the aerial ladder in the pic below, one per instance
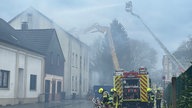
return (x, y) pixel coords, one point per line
(174, 60)
(107, 31)
(121, 78)
(117, 77)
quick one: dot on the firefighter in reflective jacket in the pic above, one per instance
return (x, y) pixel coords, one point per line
(111, 97)
(116, 99)
(105, 97)
(151, 98)
(158, 98)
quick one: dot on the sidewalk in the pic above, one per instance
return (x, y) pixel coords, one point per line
(55, 104)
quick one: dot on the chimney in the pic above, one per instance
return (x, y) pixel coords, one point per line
(24, 26)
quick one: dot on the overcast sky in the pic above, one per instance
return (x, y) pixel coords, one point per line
(170, 20)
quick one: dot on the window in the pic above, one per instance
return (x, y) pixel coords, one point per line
(83, 85)
(59, 87)
(73, 59)
(73, 88)
(33, 82)
(84, 64)
(76, 83)
(4, 79)
(58, 60)
(76, 60)
(80, 62)
(51, 57)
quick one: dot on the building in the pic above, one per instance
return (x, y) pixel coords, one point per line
(46, 42)
(76, 71)
(21, 69)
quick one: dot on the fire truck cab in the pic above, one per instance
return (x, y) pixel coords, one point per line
(132, 88)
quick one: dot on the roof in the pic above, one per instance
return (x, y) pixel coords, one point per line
(33, 40)
(51, 21)
(10, 36)
(7, 33)
(37, 39)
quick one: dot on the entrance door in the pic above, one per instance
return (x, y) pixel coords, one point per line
(53, 89)
(20, 83)
(47, 90)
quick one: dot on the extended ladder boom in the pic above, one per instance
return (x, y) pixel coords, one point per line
(107, 30)
(171, 56)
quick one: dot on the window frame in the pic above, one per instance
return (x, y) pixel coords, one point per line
(76, 60)
(31, 86)
(2, 72)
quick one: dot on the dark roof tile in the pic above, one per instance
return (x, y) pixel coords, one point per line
(37, 39)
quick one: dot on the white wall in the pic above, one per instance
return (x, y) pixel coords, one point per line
(36, 22)
(80, 51)
(21, 60)
(33, 67)
(85, 70)
(8, 62)
(11, 59)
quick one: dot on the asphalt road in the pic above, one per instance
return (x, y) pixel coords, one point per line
(59, 104)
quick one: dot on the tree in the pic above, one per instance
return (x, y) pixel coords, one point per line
(184, 52)
(131, 54)
(101, 62)
(121, 42)
(141, 54)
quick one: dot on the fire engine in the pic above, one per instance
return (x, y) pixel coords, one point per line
(132, 87)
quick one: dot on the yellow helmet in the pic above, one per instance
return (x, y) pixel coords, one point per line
(114, 90)
(100, 90)
(111, 89)
(149, 89)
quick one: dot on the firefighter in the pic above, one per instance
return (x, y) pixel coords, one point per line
(111, 97)
(151, 98)
(105, 97)
(116, 99)
(158, 98)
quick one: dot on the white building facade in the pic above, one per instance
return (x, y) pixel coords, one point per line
(21, 75)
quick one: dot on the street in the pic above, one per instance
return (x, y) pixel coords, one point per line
(92, 54)
(60, 104)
